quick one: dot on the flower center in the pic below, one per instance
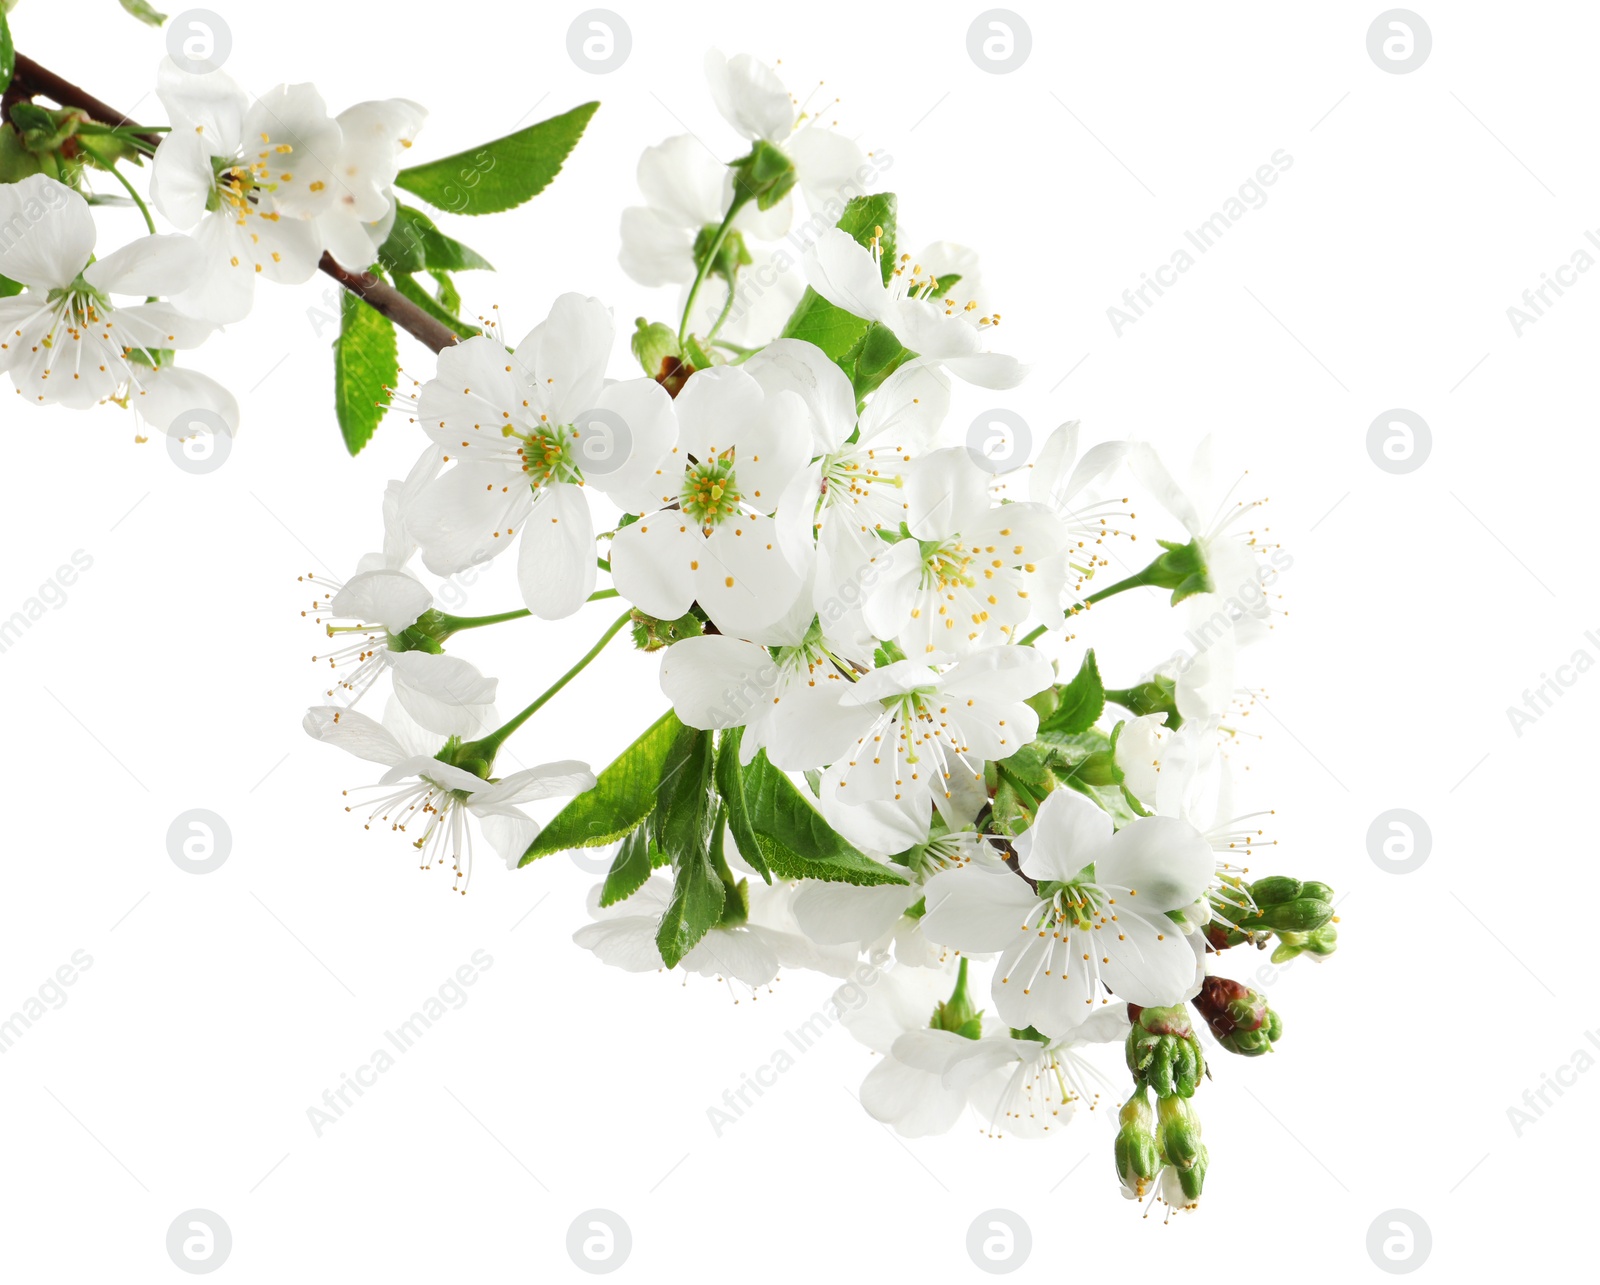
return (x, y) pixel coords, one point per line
(547, 454)
(710, 491)
(947, 564)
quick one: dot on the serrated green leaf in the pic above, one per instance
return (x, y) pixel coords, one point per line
(630, 869)
(144, 12)
(413, 290)
(415, 244)
(503, 174)
(624, 794)
(1083, 700)
(730, 785)
(874, 215)
(696, 906)
(366, 364)
(680, 825)
(793, 837)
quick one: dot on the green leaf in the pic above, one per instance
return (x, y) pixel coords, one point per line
(8, 287)
(695, 908)
(622, 797)
(1083, 700)
(819, 322)
(144, 12)
(8, 52)
(413, 290)
(415, 244)
(503, 174)
(792, 836)
(874, 215)
(730, 785)
(875, 356)
(680, 825)
(629, 871)
(366, 364)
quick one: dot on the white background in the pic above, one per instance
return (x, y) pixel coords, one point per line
(220, 1007)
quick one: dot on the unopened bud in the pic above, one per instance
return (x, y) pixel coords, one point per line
(1230, 1006)
(1179, 1132)
(1319, 944)
(1137, 1151)
(1162, 1051)
(1181, 1188)
(1256, 1042)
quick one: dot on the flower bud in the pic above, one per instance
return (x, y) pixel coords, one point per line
(1254, 1043)
(1274, 890)
(1230, 1006)
(1302, 915)
(1319, 943)
(654, 343)
(1137, 1151)
(650, 634)
(1180, 1188)
(1178, 1132)
(1162, 1051)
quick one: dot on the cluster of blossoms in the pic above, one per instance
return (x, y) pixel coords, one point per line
(252, 189)
(890, 754)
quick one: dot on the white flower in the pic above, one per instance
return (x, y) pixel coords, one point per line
(687, 191)
(1022, 1087)
(898, 1006)
(962, 581)
(509, 420)
(1070, 487)
(850, 276)
(1081, 936)
(875, 919)
(64, 339)
(248, 178)
(709, 537)
(371, 613)
(786, 699)
(166, 396)
(1234, 560)
(373, 136)
(752, 952)
(419, 790)
(855, 487)
(924, 740)
(752, 99)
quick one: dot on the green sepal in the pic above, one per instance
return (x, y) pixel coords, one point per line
(1079, 703)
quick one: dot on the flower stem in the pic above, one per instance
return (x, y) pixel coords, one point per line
(137, 199)
(705, 266)
(486, 747)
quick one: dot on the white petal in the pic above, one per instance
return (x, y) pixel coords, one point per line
(845, 274)
(466, 516)
(977, 910)
(653, 564)
(912, 1101)
(445, 694)
(162, 265)
(1070, 832)
(1165, 861)
(556, 564)
(804, 369)
(393, 599)
(715, 681)
(749, 95)
(49, 232)
(355, 733)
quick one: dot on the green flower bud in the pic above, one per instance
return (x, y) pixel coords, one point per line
(1162, 1051)
(1303, 914)
(650, 634)
(1274, 890)
(957, 1014)
(1137, 1151)
(1253, 1043)
(765, 176)
(1178, 1132)
(1318, 944)
(654, 343)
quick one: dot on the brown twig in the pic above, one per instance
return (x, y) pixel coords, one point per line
(30, 78)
